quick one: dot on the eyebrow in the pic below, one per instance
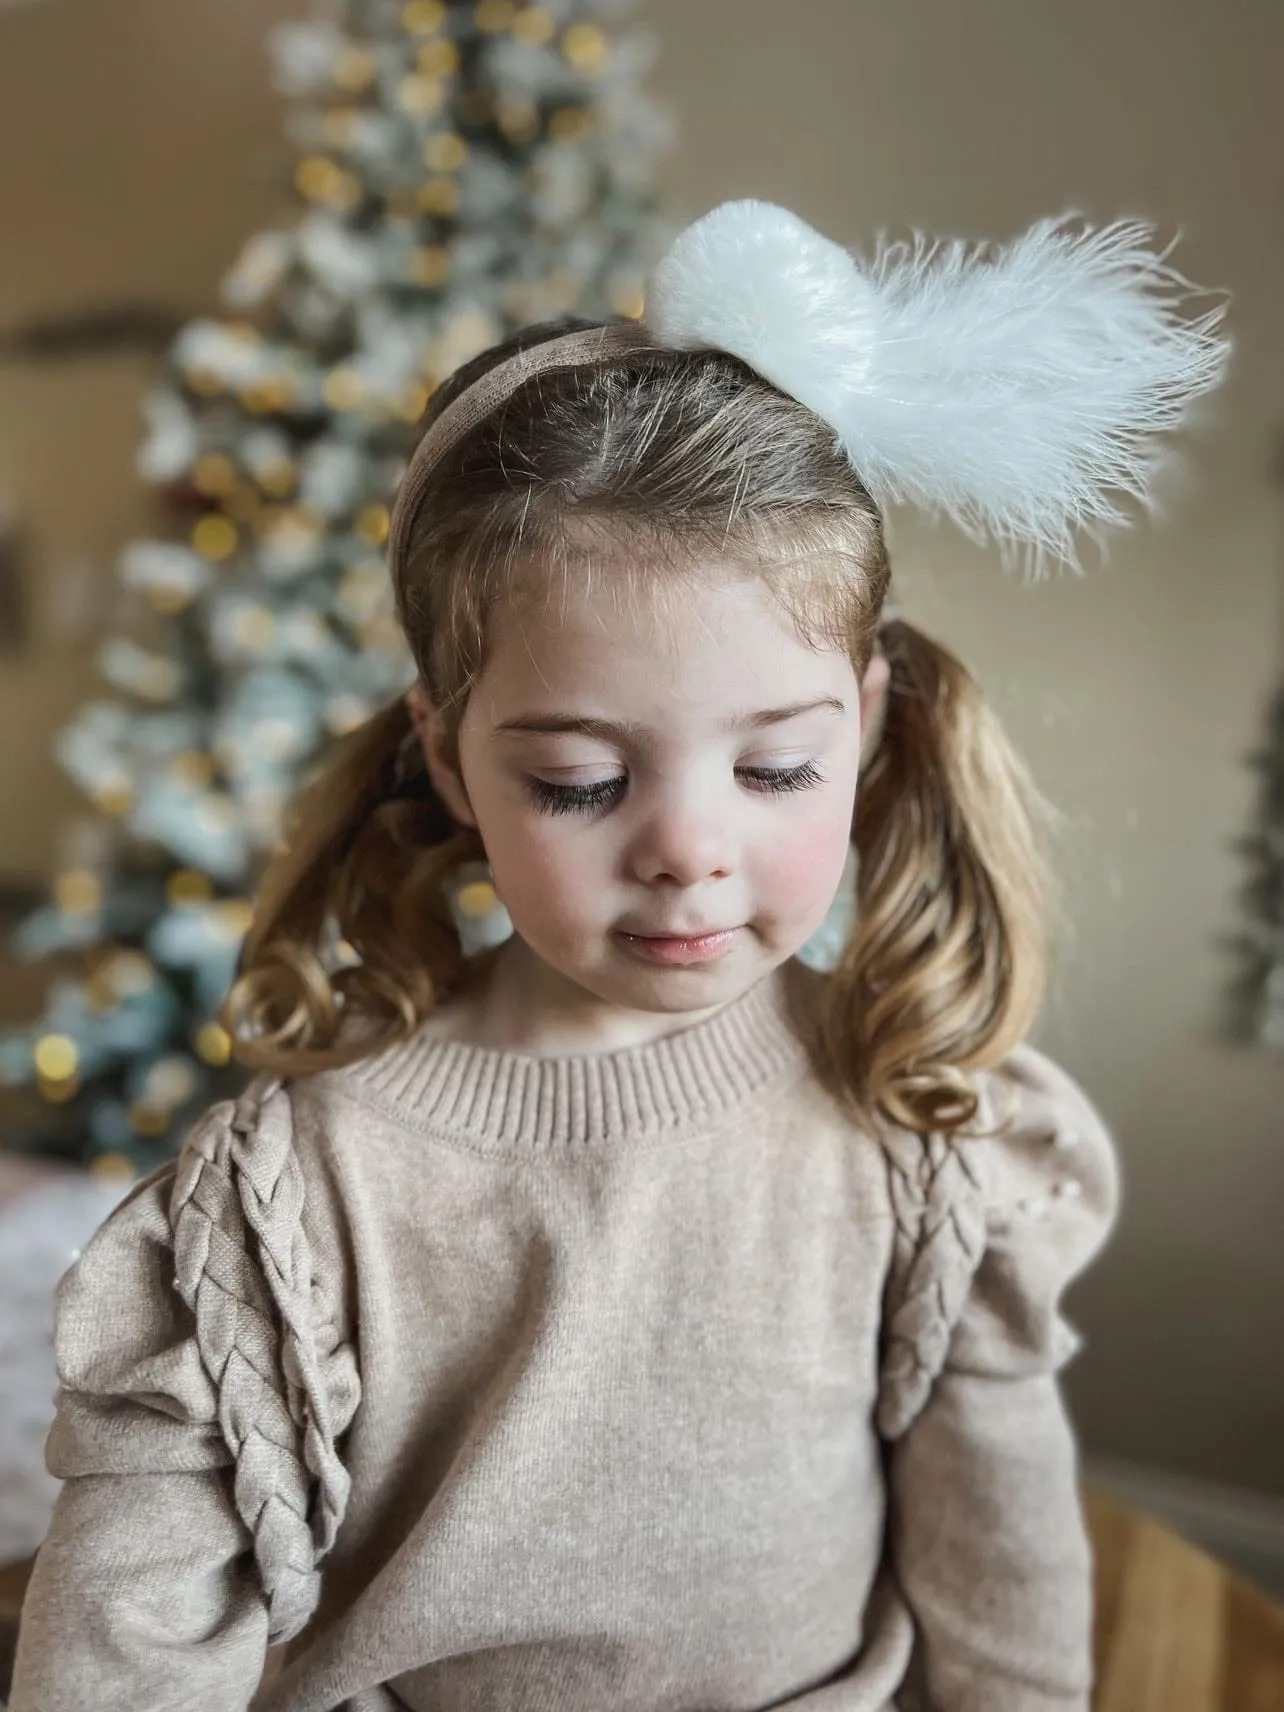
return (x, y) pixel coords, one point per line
(630, 731)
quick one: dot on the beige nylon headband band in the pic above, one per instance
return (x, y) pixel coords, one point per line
(475, 403)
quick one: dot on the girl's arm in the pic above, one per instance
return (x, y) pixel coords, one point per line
(987, 1532)
(180, 1544)
(144, 1593)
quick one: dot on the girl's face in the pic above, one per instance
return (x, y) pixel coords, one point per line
(665, 794)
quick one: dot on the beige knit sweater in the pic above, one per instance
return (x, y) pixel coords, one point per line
(642, 1382)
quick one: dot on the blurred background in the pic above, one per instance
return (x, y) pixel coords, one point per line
(222, 270)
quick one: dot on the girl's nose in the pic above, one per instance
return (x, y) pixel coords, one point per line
(683, 844)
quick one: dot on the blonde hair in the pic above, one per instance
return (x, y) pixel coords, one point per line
(694, 453)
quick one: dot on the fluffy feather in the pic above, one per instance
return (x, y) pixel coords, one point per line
(756, 280)
(1021, 389)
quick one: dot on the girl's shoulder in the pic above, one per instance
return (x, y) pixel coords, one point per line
(992, 1226)
(212, 1313)
(1045, 1147)
(1038, 1141)
(250, 1208)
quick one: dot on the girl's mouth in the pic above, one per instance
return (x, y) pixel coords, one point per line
(664, 948)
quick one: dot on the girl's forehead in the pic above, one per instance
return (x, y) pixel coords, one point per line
(630, 602)
(720, 639)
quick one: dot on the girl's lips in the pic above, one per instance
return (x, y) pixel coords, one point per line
(666, 949)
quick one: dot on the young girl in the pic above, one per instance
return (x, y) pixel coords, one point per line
(630, 1315)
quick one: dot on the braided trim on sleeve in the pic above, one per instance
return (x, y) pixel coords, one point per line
(244, 1267)
(938, 1202)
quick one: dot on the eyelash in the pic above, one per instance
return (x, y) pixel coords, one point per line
(584, 799)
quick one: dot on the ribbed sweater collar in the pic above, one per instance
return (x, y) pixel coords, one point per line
(511, 1102)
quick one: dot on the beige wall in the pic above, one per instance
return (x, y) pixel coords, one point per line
(1135, 693)
(141, 144)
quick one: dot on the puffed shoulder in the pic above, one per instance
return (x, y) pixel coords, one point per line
(990, 1230)
(1052, 1196)
(121, 1335)
(196, 1330)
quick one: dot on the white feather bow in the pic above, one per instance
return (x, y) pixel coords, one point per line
(1018, 388)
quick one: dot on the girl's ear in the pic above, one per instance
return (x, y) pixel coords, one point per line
(873, 694)
(446, 780)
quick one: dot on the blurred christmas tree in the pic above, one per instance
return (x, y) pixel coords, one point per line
(465, 169)
(1258, 996)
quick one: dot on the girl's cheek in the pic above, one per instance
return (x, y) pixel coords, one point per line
(806, 862)
(535, 867)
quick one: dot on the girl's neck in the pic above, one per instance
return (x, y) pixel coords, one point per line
(699, 1076)
(511, 1001)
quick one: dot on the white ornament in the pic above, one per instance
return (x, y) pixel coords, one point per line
(164, 565)
(304, 56)
(172, 441)
(345, 263)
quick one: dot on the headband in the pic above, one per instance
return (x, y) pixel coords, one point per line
(1019, 389)
(474, 404)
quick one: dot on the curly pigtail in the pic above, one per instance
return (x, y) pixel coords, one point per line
(948, 960)
(367, 853)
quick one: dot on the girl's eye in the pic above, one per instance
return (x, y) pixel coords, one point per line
(800, 778)
(574, 799)
(584, 799)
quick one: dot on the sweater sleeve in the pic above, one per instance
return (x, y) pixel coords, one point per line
(987, 1532)
(201, 1385)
